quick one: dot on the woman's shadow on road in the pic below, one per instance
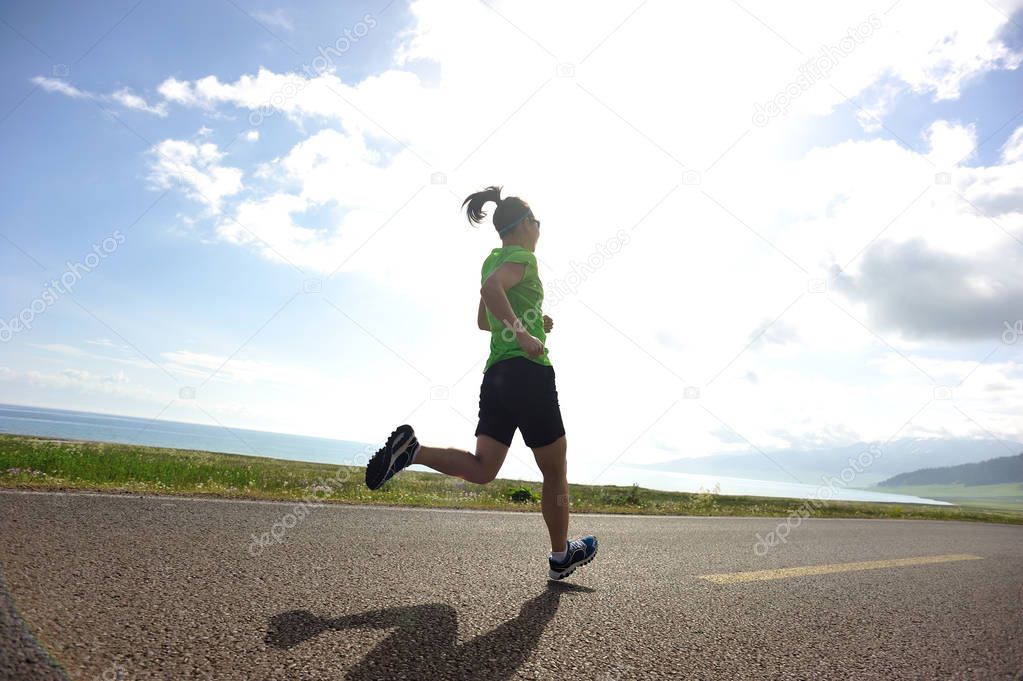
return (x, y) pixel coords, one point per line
(425, 643)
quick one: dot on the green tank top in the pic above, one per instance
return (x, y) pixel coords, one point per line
(526, 299)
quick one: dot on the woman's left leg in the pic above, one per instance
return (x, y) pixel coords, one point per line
(479, 468)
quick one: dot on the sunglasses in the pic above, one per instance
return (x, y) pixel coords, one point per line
(529, 216)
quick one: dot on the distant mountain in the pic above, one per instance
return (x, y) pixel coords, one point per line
(815, 466)
(992, 472)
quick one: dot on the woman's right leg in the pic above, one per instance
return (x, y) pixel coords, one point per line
(479, 468)
(553, 463)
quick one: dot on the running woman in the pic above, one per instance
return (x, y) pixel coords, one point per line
(518, 389)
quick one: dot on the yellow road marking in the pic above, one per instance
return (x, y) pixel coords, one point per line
(783, 573)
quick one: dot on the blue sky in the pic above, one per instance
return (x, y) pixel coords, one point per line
(82, 175)
(297, 267)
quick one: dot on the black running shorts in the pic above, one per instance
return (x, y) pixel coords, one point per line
(520, 393)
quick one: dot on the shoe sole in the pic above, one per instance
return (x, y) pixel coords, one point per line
(556, 576)
(380, 465)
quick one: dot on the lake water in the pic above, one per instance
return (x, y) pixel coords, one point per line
(684, 482)
(77, 425)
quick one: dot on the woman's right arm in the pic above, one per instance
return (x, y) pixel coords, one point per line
(494, 293)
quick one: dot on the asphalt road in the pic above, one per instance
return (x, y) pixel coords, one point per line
(119, 588)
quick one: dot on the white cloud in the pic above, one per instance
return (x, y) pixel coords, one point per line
(1012, 150)
(81, 376)
(950, 143)
(196, 168)
(81, 381)
(60, 348)
(871, 114)
(63, 87)
(924, 293)
(107, 343)
(178, 91)
(252, 135)
(338, 172)
(603, 150)
(124, 355)
(223, 368)
(267, 225)
(321, 96)
(124, 96)
(130, 100)
(277, 17)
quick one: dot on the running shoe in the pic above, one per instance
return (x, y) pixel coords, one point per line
(580, 552)
(402, 446)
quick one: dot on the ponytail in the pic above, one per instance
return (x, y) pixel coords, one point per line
(508, 208)
(475, 211)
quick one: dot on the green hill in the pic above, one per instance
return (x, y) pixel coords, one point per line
(1005, 469)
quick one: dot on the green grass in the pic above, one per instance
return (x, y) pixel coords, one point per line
(41, 464)
(1006, 497)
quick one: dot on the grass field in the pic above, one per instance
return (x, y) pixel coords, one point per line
(46, 464)
(1006, 497)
